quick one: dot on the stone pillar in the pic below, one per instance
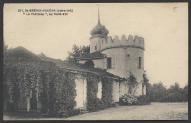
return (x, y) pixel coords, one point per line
(28, 104)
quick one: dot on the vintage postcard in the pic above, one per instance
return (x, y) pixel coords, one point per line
(95, 61)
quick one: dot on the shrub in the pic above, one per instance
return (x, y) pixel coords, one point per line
(134, 100)
(127, 100)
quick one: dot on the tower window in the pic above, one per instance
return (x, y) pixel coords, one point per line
(109, 63)
(139, 65)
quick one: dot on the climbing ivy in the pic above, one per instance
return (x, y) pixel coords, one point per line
(50, 86)
(92, 88)
(107, 91)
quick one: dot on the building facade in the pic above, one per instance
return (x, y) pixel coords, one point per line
(123, 56)
(40, 84)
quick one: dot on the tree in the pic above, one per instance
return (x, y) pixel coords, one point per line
(78, 51)
(157, 91)
(174, 94)
(185, 91)
(132, 83)
(145, 83)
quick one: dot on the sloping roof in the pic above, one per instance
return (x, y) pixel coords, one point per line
(20, 55)
(95, 55)
(83, 68)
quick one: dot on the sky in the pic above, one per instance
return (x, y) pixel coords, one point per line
(164, 27)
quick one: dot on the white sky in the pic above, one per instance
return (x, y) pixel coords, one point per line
(164, 27)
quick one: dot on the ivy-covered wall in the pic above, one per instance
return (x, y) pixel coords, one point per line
(31, 84)
(50, 89)
(94, 103)
(107, 91)
(92, 89)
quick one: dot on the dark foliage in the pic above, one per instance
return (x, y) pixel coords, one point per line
(78, 51)
(107, 91)
(92, 89)
(51, 90)
(132, 83)
(94, 103)
(33, 83)
(145, 83)
(127, 100)
(159, 93)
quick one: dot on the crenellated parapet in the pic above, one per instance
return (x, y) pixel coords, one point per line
(123, 41)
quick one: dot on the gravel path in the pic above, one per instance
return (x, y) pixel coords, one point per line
(155, 111)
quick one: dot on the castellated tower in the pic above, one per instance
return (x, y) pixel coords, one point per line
(127, 55)
(124, 55)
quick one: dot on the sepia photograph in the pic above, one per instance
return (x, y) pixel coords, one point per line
(95, 61)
